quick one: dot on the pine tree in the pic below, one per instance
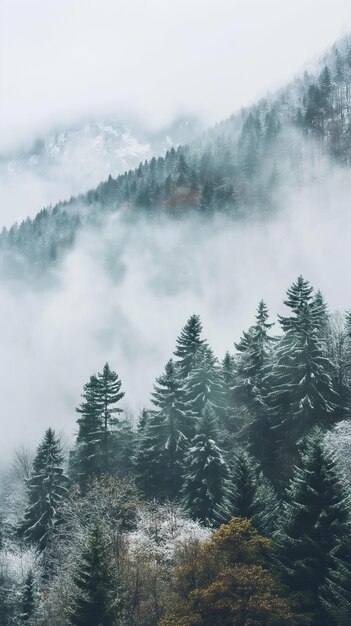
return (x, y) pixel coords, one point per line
(97, 597)
(245, 475)
(188, 343)
(158, 464)
(206, 475)
(313, 546)
(97, 439)
(252, 364)
(47, 489)
(86, 457)
(301, 393)
(204, 384)
(27, 605)
(253, 496)
(168, 394)
(125, 445)
(109, 394)
(229, 417)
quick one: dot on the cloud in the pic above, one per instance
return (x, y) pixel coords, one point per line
(72, 59)
(125, 291)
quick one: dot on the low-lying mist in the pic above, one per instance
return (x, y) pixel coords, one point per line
(124, 292)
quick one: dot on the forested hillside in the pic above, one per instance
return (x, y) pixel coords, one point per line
(239, 168)
(227, 503)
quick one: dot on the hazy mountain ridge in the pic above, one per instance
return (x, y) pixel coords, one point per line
(69, 161)
(239, 167)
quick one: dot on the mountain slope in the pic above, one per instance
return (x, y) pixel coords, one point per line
(70, 161)
(240, 167)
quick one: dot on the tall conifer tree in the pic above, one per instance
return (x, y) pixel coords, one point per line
(313, 545)
(158, 463)
(97, 597)
(300, 391)
(47, 489)
(188, 343)
(206, 489)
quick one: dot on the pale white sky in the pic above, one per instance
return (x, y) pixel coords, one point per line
(63, 59)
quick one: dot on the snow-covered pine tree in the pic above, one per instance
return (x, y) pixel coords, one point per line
(313, 546)
(97, 599)
(229, 418)
(47, 489)
(204, 384)
(253, 360)
(253, 496)
(162, 444)
(188, 343)
(206, 488)
(300, 390)
(169, 392)
(27, 604)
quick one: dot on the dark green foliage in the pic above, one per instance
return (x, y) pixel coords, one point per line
(313, 544)
(86, 457)
(229, 418)
(204, 384)
(206, 475)
(158, 463)
(253, 496)
(188, 343)
(253, 362)
(254, 351)
(27, 605)
(300, 391)
(168, 396)
(109, 394)
(47, 489)
(98, 442)
(97, 597)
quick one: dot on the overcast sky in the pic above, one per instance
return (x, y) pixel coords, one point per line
(62, 59)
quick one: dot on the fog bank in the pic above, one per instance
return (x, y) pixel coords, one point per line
(125, 291)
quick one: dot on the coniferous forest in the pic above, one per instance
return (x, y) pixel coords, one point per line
(223, 496)
(224, 504)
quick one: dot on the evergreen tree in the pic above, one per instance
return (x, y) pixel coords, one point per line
(253, 362)
(158, 463)
(109, 394)
(169, 394)
(254, 350)
(96, 450)
(27, 605)
(97, 598)
(188, 343)
(46, 489)
(204, 384)
(301, 393)
(125, 445)
(86, 457)
(244, 475)
(229, 417)
(313, 546)
(206, 475)
(253, 496)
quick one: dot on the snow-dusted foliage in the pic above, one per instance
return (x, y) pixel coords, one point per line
(161, 529)
(338, 441)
